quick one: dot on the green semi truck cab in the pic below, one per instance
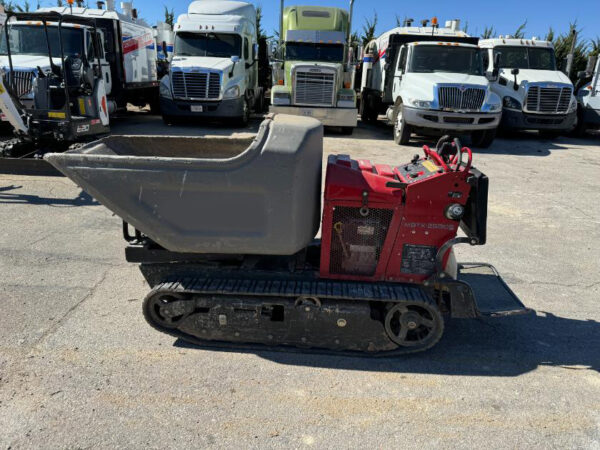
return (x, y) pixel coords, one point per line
(313, 73)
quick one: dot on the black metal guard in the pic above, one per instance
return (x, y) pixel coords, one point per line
(60, 19)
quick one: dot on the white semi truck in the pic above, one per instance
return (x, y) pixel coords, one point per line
(214, 70)
(128, 57)
(588, 97)
(535, 94)
(429, 80)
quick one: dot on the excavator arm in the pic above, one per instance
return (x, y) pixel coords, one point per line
(13, 110)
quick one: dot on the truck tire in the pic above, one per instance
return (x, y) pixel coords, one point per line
(402, 130)
(580, 128)
(483, 138)
(243, 120)
(367, 113)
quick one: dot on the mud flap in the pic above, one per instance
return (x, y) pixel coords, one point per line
(491, 295)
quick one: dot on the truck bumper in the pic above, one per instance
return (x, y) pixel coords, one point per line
(331, 117)
(443, 120)
(518, 120)
(220, 109)
(591, 116)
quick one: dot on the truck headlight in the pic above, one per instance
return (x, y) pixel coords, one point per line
(573, 105)
(511, 103)
(232, 92)
(165, 90)
(281, 98)
(495, 107)
(422, 104)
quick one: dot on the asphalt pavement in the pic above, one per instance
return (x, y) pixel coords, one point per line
(80, 368)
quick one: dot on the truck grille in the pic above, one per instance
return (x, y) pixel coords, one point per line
(548, 100)
(197, 85)
(23, 81)
(452, 97)
(312, 88)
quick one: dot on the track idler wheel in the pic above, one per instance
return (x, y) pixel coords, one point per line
(414, 325)
(167, 310)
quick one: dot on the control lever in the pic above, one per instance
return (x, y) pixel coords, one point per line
(338, 230)
(445, 149)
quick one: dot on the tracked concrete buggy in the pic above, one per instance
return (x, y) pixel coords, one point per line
(224, 232)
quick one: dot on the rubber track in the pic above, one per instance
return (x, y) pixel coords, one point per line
(395, 293)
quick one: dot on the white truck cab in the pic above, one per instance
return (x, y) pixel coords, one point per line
(214, 70)
(430, 80)
(535, 94)
(588, 97)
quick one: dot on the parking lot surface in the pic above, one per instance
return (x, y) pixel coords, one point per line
(79, 366)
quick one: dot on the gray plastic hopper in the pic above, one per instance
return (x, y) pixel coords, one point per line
(210, 195)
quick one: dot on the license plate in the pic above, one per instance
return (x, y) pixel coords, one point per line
(307, 112)
(197, 108)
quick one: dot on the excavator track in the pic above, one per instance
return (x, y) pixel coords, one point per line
(323, 316)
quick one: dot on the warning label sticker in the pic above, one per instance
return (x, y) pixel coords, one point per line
(430, 166)
(418, 259)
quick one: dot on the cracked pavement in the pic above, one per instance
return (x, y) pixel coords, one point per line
(79, 367)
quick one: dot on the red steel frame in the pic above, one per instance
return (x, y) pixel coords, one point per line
(419, 209)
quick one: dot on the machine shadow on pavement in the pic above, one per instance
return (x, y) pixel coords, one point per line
(530, 144)
(485, 347)
(83, 199)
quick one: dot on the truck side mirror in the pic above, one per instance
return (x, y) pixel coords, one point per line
(514, 73)
(234, 59)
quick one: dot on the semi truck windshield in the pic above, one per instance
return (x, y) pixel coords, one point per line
(31, 40)
(526, 58)
(442, 58)
(218, 45)
(296, 51)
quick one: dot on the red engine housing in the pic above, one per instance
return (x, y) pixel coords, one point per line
(384, 223)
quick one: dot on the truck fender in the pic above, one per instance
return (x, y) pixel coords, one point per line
(397, 103)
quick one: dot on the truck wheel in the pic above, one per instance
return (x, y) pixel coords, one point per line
(259, 105)
(580, 128)
(483, 138)
(401, 128)
(367, 114)
(243, 120)
(347, 130)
